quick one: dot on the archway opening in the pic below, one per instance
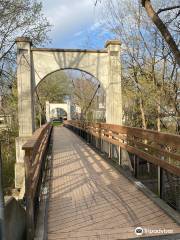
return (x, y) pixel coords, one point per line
(81, 91)
(58, 113)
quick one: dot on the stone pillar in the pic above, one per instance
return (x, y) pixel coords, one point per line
(47, 111)
(25, 103)
(68, 110)
(113, 91)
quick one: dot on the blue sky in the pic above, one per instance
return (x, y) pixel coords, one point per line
(76, 24)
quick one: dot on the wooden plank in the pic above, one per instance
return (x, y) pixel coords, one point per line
(114, 133)
(163, 152)
(34, 154)
(89, 199)
(165, 138)
(37, 135)
(146, 156)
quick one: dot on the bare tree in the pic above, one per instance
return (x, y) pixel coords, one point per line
(162, 27)
(85, 94)
(149, 70)
(18, 18)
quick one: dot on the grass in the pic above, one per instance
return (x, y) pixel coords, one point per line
(56, 124)
(8, 154)
(8, 162)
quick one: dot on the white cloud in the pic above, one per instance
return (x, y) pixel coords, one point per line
(77, 34)
(70, 18)
(95, 26)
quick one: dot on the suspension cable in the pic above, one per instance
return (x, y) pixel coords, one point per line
(92, 98)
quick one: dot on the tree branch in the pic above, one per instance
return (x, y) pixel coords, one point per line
(162, 28)
(167, 9)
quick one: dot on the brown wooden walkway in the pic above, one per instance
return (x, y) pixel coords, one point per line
(89, 199)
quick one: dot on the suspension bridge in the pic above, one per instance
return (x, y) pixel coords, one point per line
(81, 180)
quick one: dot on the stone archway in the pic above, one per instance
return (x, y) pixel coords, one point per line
(54, 106)
(34, 64)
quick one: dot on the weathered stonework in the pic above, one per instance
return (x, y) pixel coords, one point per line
(34, 64)
(19, 174)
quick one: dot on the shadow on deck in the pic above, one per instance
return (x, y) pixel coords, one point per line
(90, 199)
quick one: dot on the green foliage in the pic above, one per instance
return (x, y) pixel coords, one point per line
(10, 107)
(17, 18)
(54, 88)
(150, 83)
(83, 92)
(7, 138)
(8, 158)
(56, 124)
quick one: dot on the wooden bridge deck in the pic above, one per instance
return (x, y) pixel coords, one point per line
(89, 199)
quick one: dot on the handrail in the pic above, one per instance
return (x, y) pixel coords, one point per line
(35, 149)
(161, 149)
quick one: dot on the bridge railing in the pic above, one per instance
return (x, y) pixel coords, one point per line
(35, 149)
(157, 148)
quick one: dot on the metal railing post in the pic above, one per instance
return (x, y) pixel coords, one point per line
(136, 166)
(2, 225)
(159, 181)
(109, 150)
(119, 155)
(99, 137)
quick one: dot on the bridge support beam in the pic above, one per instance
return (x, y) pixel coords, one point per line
(25, 103)
(113, 91)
